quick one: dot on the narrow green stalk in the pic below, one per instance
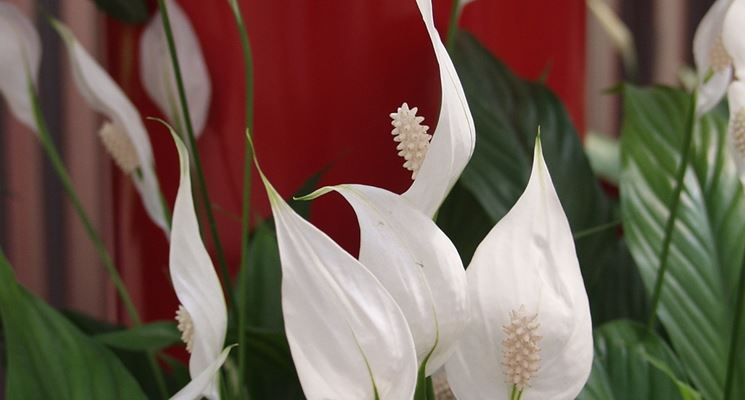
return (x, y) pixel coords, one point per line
(734, 342)
(247, 166)
(596, 229)
(56, 160)
(453, 25)
(674, 203)
(194, 153)
(516, 394)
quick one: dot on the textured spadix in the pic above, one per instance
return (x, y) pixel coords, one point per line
(527, 268)
(714, 72)
(20, 55)
(106, 97)
(156, 68)
(197, 287)
(349, 339)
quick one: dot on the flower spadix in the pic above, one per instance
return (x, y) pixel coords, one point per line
(348, 337)
(530, 333)
(123, 131)
(157, 74)
(20, 55)
(713, 61)
(454, 137)
(202, 315)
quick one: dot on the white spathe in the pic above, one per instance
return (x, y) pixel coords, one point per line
(525, 267)
(347, 335)
(454, 137)
(106, 97)
(197, 288)
(708, 47)
(157, 74)
(733, 29)
(20, 56)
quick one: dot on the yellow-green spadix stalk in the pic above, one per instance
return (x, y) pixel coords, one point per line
(202, 316)
(530, 334)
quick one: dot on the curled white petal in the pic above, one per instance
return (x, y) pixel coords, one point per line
(455, 136)
(347, 336)
(200, 384)
(106, 97)
(527, 260)
(20, 56)
(156, 68)
(194, 278)
(709, 35)
(416, 263)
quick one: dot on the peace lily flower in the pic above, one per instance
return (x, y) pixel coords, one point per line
(123, 134)
(20, 55)
(202, 316)
(156, 68)
(732, 37)
(713, 61)
(400, 244)
(530, 335)
(347, 336)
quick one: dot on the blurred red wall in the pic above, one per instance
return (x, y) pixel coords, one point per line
(327, 74)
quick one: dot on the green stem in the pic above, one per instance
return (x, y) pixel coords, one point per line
(247, 167)
(453, 25)
(736, 328)
(193, 147)
(59, 168)
(596, 229)
(674, 203)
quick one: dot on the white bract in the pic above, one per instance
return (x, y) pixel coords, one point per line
(157, 74)
(347, 335)
(713, 61)
(530, 328)
(734, 42)
(123, 131)
(202, 316)
(20, 56)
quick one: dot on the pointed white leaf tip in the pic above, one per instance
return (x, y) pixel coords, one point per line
(20, 56)
(713, 60)
(526, 267)
(347, 336)
(106, 97)
(202, 315)
(158, 76)
(411, 136)
(454, 137)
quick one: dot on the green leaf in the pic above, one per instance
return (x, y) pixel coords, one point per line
(48, 357)
(273, 375)
(128, 11)
(621, 369)
(507, 112)
(153, 336)
(686, 391)
(264, 281)
(697, 299)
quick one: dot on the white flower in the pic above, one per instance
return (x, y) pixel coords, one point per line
(712, 58)
(348, 338)
(20, 56)
(156, 68)
(123, 128)
(202, 316)
(530, 328)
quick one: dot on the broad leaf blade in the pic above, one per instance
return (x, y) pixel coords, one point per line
(698, 293)
(49, 358)
(153, 336)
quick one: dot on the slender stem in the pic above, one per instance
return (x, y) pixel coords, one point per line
(193, 147)
(736, 328)
(56, 160)
(453, 25)
(247, 166)
(596, 229)
(674, 203)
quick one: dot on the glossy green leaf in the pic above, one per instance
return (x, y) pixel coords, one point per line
(129, 11)
(697, 300)
(153, 336)
(622, 370)
(49, 358)
(507, 112)
(264, 281)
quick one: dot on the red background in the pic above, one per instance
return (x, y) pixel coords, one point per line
(327, 74)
